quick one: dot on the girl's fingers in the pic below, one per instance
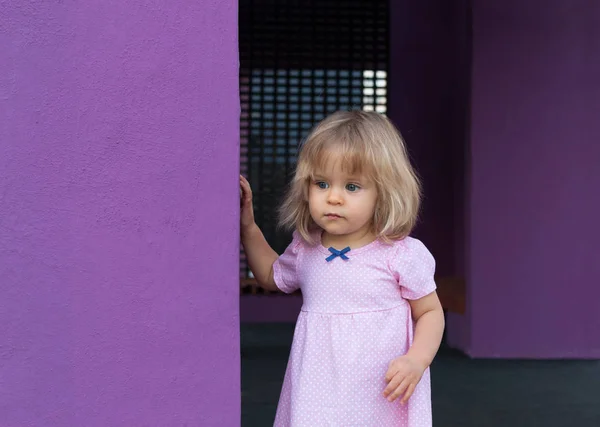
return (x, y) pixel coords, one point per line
(245, 185)
(409, 392)
(246, 191)
(398, 392)
(392, 385)
(391, 373)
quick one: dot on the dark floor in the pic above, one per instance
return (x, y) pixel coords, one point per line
(466, 393)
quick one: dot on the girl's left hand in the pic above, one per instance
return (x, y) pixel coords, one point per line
(403, 375)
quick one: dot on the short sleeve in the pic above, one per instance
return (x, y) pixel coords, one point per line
(284, 268)
(413, 267)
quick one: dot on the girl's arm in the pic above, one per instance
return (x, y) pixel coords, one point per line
(259, 254)
(405, 372)
(428, 314)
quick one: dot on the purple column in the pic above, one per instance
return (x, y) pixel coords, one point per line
(119, 205)
(534, 234)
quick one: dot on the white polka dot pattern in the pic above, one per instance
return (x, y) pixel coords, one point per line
(355, 319)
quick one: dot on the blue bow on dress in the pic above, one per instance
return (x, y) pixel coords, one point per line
(335, 253)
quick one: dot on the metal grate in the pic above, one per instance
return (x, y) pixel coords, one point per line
(300, 61)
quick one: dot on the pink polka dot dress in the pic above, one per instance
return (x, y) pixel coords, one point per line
(354, 321)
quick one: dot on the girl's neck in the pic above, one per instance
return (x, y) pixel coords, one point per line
(354, 240)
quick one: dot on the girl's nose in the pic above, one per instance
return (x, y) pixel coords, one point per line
(334, 197)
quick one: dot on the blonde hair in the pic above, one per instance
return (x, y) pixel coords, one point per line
(368, 144)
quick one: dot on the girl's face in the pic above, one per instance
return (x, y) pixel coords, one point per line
(342, 204)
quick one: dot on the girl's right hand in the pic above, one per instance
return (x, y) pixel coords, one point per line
(247, 211)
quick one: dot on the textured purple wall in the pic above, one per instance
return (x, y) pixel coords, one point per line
(534, 270)
(119, 213)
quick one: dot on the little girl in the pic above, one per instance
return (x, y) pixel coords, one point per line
(371, 322)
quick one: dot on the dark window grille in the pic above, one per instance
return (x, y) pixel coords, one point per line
(300, 61)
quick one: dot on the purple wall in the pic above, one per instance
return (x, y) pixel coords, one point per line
(531, 176)
(270, 308)
(429, 85)
(119, 213)
(534, 269)
(430, 82)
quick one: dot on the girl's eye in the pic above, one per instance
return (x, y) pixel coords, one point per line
(322, 185)
(352, 187)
